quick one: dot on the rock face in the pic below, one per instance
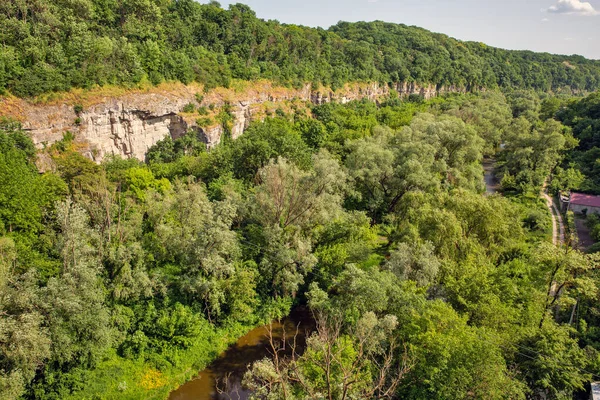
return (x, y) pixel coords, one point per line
(128, 125)
(242, 116)
(128, 132)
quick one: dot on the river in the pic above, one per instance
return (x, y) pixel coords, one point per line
(233, 363)
(491, 182)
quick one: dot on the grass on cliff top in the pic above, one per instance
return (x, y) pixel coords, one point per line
(238, 90)
(97, 94)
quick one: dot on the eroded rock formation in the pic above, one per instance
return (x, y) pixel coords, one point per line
(129, 124)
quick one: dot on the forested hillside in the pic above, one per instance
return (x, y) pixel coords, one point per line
(54, 45)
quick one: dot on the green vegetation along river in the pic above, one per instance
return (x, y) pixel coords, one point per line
(223, 378)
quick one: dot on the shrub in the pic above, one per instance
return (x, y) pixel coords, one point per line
(595, 248)
(570, 228)
(416, 98)
(189, 108)
(595, 232)
(204, 122)
(592, 220)
(508, 183)
(537, 220)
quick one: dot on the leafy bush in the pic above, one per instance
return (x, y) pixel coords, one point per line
(204, 122)
(189, 108)
(537, 220)
(592, 221)
(595, 248)
(169, 150)
(595, 232)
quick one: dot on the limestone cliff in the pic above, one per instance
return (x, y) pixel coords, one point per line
(129, 122)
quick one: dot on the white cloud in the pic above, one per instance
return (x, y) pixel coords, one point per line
(545, 20)
(573, 7)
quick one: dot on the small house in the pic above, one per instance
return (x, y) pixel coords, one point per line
(584, 203)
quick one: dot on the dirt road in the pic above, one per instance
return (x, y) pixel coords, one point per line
(558, 227)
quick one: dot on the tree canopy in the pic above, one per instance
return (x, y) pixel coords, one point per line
(52, 45)
(118, 279)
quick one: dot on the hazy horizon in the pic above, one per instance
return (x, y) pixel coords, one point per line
(554, 26)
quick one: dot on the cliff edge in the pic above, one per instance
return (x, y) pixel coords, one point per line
(128, 122)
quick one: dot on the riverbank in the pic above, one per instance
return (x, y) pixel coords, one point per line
(217, 353)
(222, 379)
(120, 378)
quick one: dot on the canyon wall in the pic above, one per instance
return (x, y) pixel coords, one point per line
(129, 123)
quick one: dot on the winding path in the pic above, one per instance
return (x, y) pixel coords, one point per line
(558, 227)
(558, 230)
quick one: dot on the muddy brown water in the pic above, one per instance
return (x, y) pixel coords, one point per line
(491, 182)
(227, 371)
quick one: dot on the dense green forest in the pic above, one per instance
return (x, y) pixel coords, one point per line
(54, 45)
(580, 168)
(583, 116)
(120, 280)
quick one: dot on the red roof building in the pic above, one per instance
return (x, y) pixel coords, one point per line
(580, 202)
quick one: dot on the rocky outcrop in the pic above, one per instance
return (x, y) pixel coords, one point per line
(242, 116)
(372, 92)
(211, 136)
(128, 132)
(129, 124)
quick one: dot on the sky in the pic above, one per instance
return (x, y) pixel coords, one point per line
(554, 26)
